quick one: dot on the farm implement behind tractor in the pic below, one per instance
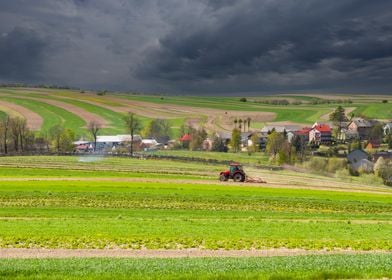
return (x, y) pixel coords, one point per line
(237, 174)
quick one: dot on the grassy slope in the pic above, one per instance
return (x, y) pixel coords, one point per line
(302, 267)
(52, 115)
(304, 113)
(178, 214)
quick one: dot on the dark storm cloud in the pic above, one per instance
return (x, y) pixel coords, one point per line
(200, 46)
(21, 54)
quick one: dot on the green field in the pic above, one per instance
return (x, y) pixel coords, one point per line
(112, 106)
(308, 267)
(56, 202)
(106, 203)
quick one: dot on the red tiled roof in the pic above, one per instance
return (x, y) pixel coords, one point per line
(323, 127)
(185, 137)
(303, 131)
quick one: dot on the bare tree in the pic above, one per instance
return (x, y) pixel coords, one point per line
(5, 126)
(94, 127)
(133, 125)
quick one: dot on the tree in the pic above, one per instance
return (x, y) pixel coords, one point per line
(240, 124)
(94, 127)
(67, 138)
(255, 143)
(197, 138)
(157, 128)
(377, 132)
(235, 140)
(132, 125)
(55, 136)
(235, 122)
(275, 141)
(218, 145)
(5, 126)
(338, 116)
(248, 119)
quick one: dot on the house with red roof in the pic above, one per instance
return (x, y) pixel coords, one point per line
(320, 134)
(185, 138)
(304, 133)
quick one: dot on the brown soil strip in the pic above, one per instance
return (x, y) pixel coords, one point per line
(83, 114)
(34, 121)
(185, 253)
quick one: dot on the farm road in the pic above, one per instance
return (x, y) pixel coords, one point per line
(184, 253)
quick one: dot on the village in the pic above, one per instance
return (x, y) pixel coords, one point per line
(363, 144)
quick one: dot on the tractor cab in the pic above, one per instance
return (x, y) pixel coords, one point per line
(234, 172)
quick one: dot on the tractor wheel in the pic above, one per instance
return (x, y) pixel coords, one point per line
(239, 177)
(223, 178)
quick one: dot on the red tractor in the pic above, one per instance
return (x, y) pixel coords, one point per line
(235, 172)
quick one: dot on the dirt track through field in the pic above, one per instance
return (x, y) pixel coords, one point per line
(184, 253)
(34, 121)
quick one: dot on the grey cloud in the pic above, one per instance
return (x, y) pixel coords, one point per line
(21, 54)
(201, 46)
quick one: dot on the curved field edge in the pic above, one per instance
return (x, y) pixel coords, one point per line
(297, 267)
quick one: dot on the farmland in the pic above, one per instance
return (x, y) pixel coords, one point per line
(170, 203)
(44, 108)
(170, 208)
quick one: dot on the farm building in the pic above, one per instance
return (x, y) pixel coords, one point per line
(372, 144)
(113, 141)
(384, 154)
(362, 127)
(320, 134)
(359, 160)
(348, 135)
(304, 133)
(388, 128)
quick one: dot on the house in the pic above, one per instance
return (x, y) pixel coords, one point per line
(225, 136)
(359, 160)
(185, 138)
(289, 130)
(372, 144)
(245, 137)
(357, 155)
(320, 134)
(348, 135)
(384, 154)
(304, 133)
(149, 144)
(363, 165)
(82, 146)
(388, 128)
(362, 127)
(113, 141)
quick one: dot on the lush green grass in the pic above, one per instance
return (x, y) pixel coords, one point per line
(3, 115)
(51, 115)
(94, 212)
(377, 111)
(299, 267)
(294, 113)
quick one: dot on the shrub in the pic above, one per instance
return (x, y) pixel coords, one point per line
(316, 164)
(385, 101)
(335, 164)
(243, 99)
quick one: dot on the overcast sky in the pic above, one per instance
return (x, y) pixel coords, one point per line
(199, 47)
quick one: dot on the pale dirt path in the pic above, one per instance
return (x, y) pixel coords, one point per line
(184, 253)
(34, 120)
(347, 111)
